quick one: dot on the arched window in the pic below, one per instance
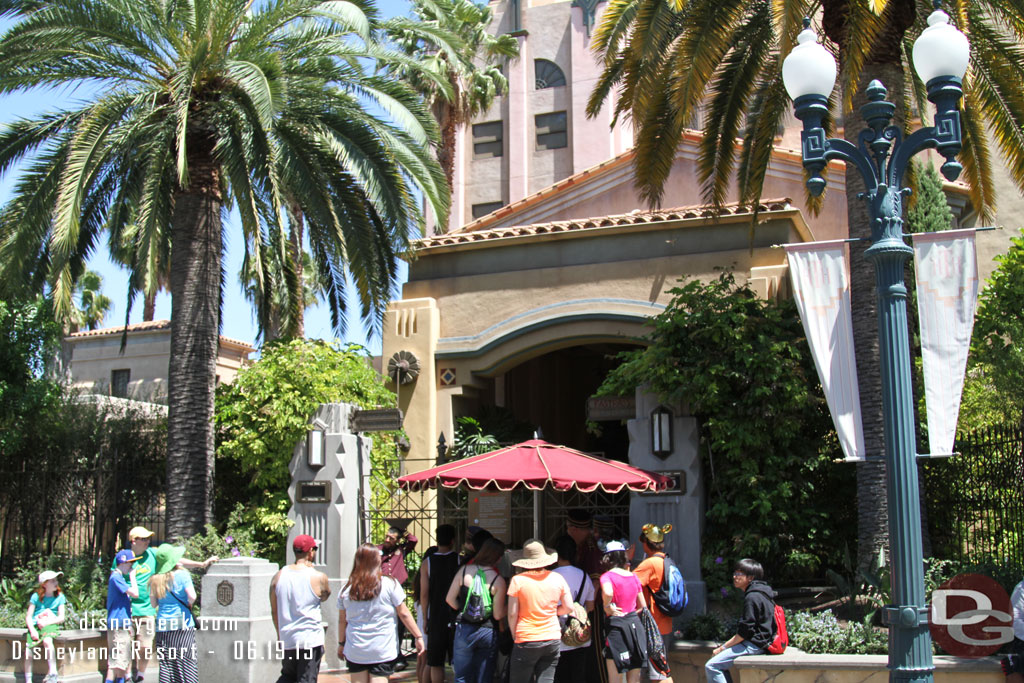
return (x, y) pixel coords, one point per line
(546, 74)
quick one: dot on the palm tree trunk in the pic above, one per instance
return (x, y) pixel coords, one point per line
(195, 322)
(149, 307)
(884, 64)
(445, 115)
(296, 227)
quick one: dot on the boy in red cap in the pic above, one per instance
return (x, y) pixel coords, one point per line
(296, 592)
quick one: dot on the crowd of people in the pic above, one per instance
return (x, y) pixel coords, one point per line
(149, 599)
(586, 609)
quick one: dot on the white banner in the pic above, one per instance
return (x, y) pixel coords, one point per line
(947, 295)
(821, 286)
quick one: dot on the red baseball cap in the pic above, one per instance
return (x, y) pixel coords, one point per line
(303, 543)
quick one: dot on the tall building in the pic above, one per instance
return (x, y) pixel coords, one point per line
(538, 133)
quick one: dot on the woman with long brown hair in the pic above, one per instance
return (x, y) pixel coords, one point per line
(369, 608)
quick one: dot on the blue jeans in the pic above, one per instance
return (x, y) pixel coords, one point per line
(476, 649)
(717, 668)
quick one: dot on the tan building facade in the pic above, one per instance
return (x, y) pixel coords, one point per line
(524, 306)
(96, 364)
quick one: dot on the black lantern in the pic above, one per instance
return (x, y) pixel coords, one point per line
(661, 432)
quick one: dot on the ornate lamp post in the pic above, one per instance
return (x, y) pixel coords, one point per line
(881, 156)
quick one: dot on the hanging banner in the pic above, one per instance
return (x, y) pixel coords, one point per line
(821, 286)
(947, 295)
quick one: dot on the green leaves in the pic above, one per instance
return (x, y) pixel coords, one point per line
(742, 366)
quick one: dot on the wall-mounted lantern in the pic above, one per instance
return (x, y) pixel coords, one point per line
(661, 432)
(315, 447)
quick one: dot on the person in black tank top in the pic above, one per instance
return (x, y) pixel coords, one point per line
(441, 569)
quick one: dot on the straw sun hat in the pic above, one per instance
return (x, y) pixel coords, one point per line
(535, 556)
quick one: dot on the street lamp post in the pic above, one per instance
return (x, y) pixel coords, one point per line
(882, 156)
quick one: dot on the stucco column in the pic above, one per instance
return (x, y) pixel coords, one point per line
(414, 325)
(684, 511)
(591, 138)
(520, 128)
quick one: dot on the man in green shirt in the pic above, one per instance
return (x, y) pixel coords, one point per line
(143, 612)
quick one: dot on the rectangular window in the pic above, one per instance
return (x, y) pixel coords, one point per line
(486, 208)
(487, 139)
(551, 130)
(119, 382)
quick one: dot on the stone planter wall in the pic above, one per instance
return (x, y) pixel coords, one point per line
(83, 660)
(688, 658)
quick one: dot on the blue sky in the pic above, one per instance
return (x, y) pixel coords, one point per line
(238, 320)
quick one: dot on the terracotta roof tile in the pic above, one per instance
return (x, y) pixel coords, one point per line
(147, 326)
(638, 217)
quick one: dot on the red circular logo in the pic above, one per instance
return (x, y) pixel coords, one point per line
(970, 616)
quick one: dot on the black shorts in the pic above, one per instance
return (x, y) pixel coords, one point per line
(378, 669)
(440, 643)
(626, 643)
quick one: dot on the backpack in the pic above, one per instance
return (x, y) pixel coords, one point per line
(671, 597)
(478, 607)
(576, 630)
(780, 638)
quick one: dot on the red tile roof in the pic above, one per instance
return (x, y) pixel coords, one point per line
(147, 326)
(637, 217)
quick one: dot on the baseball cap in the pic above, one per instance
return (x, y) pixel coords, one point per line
(139, 532)
(49, 574)
(303, 543)
(614, 546)
(125, 556)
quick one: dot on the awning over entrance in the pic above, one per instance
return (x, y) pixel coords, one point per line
(537, 465)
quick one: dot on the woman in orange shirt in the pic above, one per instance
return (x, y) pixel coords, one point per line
(536, 598)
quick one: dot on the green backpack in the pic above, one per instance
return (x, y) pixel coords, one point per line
(478, 607)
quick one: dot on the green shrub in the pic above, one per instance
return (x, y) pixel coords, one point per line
(710, 626)
(822, 634)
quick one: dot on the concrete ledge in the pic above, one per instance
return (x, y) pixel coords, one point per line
(799, 667)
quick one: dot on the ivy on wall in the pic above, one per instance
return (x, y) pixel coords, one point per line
(743, 366)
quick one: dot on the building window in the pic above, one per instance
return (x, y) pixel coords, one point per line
(551, 130)
(546, 74)
(119, 382)
(485, 208)
(487, 139)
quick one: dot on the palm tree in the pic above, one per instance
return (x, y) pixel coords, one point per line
(677, 62)
(92, 305)
(450, 42)
(201, 105)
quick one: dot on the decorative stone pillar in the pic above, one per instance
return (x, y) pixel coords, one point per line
(235, 640)
(683, 509)
(329, 503)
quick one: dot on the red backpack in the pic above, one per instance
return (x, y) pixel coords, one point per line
(780, 638)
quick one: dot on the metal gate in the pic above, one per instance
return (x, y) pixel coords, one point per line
(451, 506)
(976, 500)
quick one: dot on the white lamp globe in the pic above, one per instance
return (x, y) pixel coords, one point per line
(940, 50)
(809, 69)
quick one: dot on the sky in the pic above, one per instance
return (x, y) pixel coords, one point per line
(238, 317)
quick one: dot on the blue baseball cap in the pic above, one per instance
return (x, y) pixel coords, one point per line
(125, 556)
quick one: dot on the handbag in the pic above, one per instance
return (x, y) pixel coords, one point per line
(576, 630)
(656, 654)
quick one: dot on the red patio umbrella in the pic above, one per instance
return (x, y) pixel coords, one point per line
(536, 465)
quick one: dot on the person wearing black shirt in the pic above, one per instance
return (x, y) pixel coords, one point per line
(436, 576)
(754, 629)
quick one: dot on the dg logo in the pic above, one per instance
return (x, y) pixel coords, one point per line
(971, 616)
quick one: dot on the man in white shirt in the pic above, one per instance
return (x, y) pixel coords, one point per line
(296, 592)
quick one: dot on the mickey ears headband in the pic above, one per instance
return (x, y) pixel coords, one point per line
(654, 533)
